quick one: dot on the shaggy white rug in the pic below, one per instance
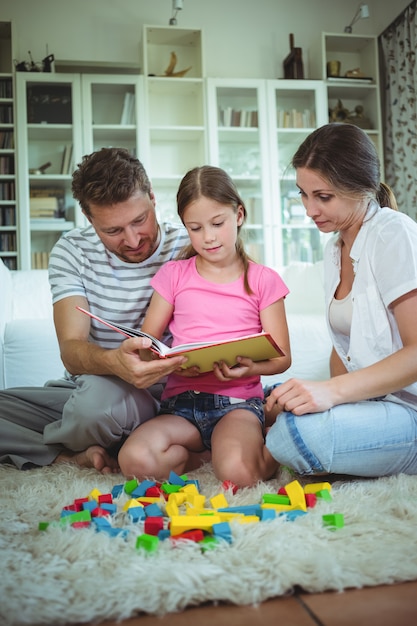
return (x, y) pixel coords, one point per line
(68, 576)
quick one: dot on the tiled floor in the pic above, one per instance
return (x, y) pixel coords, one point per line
(391, 605)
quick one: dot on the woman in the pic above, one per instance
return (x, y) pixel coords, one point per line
(363, 420)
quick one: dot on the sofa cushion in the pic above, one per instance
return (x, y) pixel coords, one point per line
(32, 297)
(30, 353)
(305, 282)
(6, 296)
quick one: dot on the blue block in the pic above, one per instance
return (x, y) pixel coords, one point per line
(101, 522)
(268, 514)
(222, 530)
(116, 491)
(107, 506)
(90, 505)
(153, 510)
(292, 515)
(164, 534)
(247, 509)
(174, 479)
(142, 488)
(136, 513)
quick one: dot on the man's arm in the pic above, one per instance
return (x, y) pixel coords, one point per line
(80, 356)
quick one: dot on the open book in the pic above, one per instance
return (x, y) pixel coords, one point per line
(258, 347)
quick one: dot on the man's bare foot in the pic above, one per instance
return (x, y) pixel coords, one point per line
(94, 456)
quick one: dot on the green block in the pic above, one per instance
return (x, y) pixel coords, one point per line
(208, 543)
(130, 485)
(168, 488)
(79, 516)
(43, 525)
(275, 498)
(334, 521)
(147, 542)
(324, 494)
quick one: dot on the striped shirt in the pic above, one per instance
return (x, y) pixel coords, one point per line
(80, 265)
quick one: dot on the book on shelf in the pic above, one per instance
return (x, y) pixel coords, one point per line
(258, 347)
(128, 112)
(66, 159)
(43, 206)
(40, 260)
(55, 196)
(350, 79)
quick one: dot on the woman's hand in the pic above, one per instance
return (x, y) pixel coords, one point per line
(301, 397)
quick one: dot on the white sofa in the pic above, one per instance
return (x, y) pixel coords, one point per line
(29, 353)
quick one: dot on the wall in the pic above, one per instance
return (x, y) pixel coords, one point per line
(242, 38)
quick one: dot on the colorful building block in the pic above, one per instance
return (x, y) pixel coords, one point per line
(147, 542)
(334, 520)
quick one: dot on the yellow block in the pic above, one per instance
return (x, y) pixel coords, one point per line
(180, 523)
(296, 494)
(227, 517)
(314, 487)
(191, 489)
(277, 507)
(219, 501)
(171, 508)
(248, 519)
(150, 499)
(177, 497)
(196, 500)
(130, 504)
(94, 494)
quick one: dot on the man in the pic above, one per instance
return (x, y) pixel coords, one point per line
(105, 268)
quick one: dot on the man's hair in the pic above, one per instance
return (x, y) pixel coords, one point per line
(107, 177)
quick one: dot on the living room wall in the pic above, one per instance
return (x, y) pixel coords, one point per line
(242, 38)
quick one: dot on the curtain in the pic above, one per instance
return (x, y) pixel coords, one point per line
(398, 45)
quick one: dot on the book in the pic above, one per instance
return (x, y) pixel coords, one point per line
(350, 79)
(258, 347)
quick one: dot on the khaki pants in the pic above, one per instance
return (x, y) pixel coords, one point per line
(37, 423)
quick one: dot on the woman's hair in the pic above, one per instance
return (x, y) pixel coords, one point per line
(345, 156)
(108, 176)
(214, 183)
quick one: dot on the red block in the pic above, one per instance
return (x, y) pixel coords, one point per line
(106, 498)
(98, 512)
(311, 500)
(153, 492)
(153, 525)
(227, 484)
(192, 535)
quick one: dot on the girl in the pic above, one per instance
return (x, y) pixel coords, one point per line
(213, 291)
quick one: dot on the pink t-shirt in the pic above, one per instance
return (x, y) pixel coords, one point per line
(204, 310)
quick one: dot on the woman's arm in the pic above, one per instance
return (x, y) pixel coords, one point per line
(391, 374)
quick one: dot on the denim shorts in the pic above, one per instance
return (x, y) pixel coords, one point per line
(204, 410)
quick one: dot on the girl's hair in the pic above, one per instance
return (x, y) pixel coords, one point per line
(107, 177)
(345, 156)
(213, 183)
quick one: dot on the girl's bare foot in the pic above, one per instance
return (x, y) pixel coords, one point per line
(94, 456)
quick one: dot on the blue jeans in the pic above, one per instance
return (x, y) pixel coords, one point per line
(370, 438)
(204, 410)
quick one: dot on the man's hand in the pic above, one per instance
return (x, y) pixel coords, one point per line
(125, 362)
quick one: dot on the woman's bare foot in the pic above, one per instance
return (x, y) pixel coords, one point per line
(94, 456)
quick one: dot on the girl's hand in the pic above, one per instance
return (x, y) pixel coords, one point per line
(243, 369)
(301, 397)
